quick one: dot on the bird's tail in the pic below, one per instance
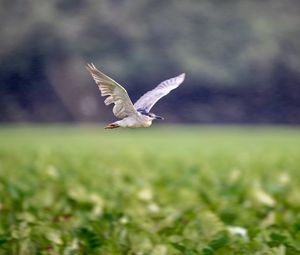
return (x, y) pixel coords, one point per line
(112, 126)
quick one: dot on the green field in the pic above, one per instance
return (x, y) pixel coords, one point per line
(163, 190)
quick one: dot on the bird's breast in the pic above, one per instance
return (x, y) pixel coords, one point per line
(137, 122)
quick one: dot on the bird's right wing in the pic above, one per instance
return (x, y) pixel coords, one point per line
(117, 94)
(147, 101)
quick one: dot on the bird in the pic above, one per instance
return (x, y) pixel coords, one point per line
(135, 115)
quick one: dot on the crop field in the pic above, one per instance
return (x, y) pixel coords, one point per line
(158, 191)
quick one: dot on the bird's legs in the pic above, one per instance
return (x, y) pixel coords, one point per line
(111, 126)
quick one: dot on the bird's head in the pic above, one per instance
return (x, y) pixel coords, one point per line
(150, 115)
(154, 116)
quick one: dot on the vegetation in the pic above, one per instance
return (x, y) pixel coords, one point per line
(164, 190)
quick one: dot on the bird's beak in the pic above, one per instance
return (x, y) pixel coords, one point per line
(158, 117)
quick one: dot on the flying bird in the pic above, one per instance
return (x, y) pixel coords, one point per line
(136, 115)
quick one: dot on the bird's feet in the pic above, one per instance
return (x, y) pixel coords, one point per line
(112, 126)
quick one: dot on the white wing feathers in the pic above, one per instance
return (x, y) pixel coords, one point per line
(147, 101)
(115, 92)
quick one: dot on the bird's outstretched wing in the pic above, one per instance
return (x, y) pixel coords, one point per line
(147, 101)
(117, 94)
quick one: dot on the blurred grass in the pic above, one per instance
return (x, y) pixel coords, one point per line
(164, 190)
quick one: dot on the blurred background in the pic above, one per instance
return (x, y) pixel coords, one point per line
(242, 58)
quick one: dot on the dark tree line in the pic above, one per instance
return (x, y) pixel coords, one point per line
(241, 58)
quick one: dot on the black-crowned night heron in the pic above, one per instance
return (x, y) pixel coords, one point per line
(133, 115)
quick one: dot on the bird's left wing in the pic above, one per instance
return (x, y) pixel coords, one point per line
(117, 94)
(147, 101)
